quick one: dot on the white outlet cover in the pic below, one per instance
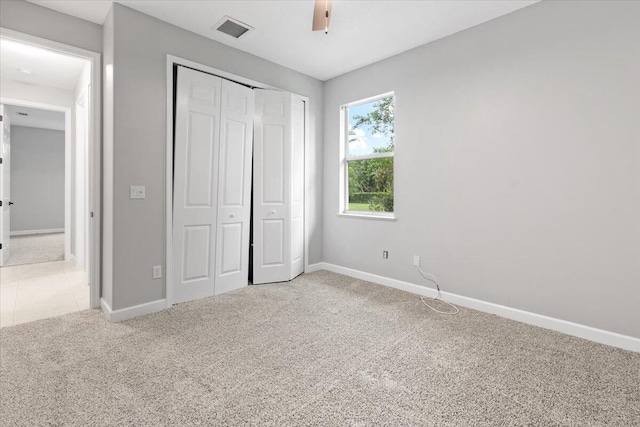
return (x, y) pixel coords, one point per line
(137, 192)
(157, 271)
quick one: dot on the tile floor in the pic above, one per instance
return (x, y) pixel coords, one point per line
(37, 291)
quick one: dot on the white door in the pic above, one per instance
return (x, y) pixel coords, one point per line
(278, 205)
(297, 186)
(197, 130)
(5, 186)
(80, 207)
(234, 189)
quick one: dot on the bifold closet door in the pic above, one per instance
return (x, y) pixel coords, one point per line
(297, 186)
(278, 187)
(212, 185)
(195, 185)
(234, 190)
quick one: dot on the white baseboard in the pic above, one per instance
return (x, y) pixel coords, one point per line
(131, 312)
(570, 328)
(314, 267)
(44, 231)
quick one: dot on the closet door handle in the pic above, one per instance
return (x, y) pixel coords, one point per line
(231, 215)
(273, 212)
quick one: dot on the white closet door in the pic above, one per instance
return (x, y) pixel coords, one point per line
(5, 186)
(278, 187)
(271, 182)
(297, 186)
(234, 190)
(195, 184)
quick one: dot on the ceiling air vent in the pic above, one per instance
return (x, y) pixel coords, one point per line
(232, 27)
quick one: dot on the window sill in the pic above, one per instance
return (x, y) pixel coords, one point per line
(375, 217)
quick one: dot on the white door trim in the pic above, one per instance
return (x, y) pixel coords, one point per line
(171, 60)
(94, 171)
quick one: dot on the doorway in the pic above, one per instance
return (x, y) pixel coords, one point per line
(34, 185)
(49, 178)
(229, 236)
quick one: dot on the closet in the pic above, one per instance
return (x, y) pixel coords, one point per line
(227, 137)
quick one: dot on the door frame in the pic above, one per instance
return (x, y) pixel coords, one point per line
(175, 60)
(94, 145)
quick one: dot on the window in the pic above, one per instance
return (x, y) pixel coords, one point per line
(368, 128)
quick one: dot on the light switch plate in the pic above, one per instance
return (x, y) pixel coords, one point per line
(157, 271)
(137, 191)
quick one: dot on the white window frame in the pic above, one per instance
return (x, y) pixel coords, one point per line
(345, 159)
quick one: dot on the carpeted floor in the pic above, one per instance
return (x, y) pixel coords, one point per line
(322, 350)
(36, 248)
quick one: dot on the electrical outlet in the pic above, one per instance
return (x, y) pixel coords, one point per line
(137, 191)
(385, 254)
(157, 271)
(416, 260)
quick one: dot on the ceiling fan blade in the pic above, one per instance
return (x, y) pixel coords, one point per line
(321, 15)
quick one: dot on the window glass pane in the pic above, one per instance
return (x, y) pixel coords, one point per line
(371, 127)
(371, 185)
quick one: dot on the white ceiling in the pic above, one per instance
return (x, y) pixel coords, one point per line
(47, 68)
(36, 118)
(361, 32)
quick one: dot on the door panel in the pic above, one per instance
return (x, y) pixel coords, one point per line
(200, 159)
(231, 248)
(297, 186)
(233, 177)
(197, 248)
(195, 184)
(278, 205)
(271, 163)
(272, 242)
(203, 93)
(236, 102)
(234, 211)
(5, 186)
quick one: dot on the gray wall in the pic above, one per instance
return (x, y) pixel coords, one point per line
(140, 45)
(32, 19)
(517, 164)
(37, 179)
